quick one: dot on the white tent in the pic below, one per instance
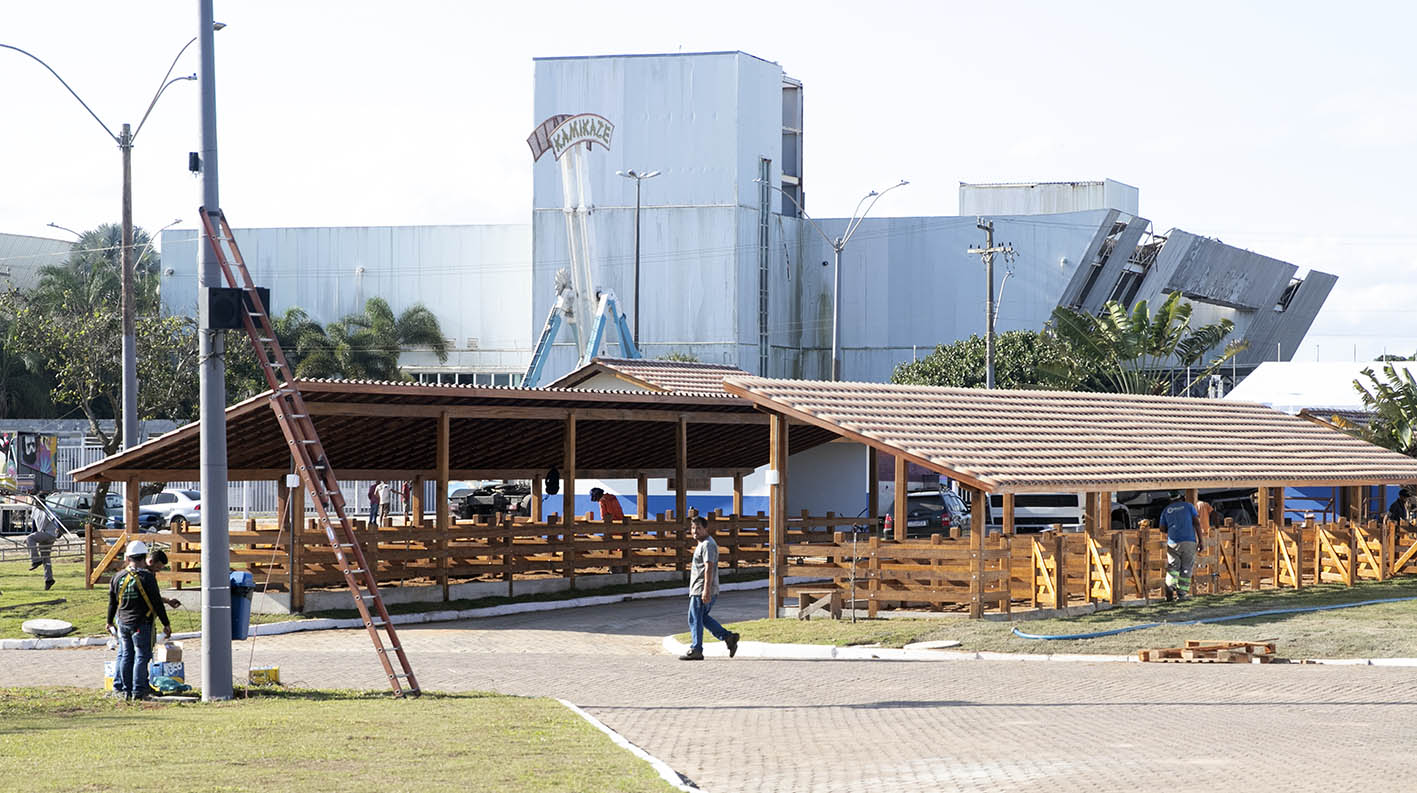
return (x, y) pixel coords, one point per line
(1295, 385)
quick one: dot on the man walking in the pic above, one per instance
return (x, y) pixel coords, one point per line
(406, 492)
(41, 541)
(374, 503)
(133, 601)
(703, 591)
(1182, 524)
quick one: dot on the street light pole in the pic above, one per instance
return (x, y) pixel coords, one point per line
(638, 177)
(987, 252)
(127, 299)
(216, 536)
(838, 244)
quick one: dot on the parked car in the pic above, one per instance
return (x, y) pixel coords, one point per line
(932, 512)
(506, 497)
(177, 508)
(74, 510)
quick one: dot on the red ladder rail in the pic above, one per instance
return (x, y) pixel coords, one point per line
(310, 461)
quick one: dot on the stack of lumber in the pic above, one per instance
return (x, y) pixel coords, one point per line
(1211, 652)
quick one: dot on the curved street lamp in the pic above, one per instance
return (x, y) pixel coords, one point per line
(124, 139)
(638, 177)
(838, 245)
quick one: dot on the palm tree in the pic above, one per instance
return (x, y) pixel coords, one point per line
(1136, 352)
(1394, 405)
(91, 278)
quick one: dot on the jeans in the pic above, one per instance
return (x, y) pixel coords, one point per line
(40, 544)
(135, 653)
(699, 619)
(373, 513)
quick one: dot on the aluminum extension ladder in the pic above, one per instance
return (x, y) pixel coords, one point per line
(309, 455)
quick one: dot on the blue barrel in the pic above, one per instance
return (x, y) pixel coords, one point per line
(242, 585)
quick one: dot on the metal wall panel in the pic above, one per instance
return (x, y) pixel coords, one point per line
(476, 279)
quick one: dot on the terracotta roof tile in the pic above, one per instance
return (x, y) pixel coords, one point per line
(1039, 441)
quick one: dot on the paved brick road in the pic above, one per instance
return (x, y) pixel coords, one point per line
(763, 725)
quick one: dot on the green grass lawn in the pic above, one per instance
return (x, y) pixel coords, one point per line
(74, 740)
(84, 608)
(1379, 631)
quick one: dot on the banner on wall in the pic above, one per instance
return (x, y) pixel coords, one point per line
(27, 461)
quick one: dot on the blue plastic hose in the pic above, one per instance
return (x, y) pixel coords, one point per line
(1208, 620)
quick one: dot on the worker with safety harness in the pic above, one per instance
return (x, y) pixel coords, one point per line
(134, 600)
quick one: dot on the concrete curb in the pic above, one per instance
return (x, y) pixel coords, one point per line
(297, 626)
(826, 652)
(667, 773)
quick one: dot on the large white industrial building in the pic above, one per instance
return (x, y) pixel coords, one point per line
(729, 271)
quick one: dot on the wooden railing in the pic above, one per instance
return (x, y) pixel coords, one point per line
(1057, 569)
(497, 549)
(992, 573)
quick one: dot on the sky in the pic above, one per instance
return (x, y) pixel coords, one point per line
(1287, 128)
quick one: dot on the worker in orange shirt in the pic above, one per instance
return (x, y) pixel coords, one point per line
(609, 505)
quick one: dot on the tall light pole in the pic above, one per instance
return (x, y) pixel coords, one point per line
(211, 345)
(125, 139)
(64, 228)
(638, 177)
(838, 245)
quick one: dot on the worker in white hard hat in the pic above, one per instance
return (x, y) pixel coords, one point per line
(133, 601)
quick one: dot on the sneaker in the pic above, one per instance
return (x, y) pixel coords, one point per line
(48, 582)
(36, 565)
(115, 694)
(1170, 593)
(692, 655)
(732, 642)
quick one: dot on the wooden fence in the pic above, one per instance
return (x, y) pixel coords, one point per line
(1057, 569)
(973, 573)
(497, 549)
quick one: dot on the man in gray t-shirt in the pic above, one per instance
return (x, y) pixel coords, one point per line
(703, 591)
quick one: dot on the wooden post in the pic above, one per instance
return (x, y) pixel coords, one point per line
(568, 498)
(440, 498)
(642, 510)
(89, 534)
(415, 501)
(900, 510)
(737, 496)
(536, 496)
(681, 469)
(297, 548)
(130, 506)
(873, 578)
(1119, 578)
(1008, 517)
(976, 555)
(873, 485)
(1060, 566)
(1262, 503)
(284, 524)
(1143, 540)
(1279, 505)
(777, 511)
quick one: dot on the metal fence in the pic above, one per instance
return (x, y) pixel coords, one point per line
(242, 498)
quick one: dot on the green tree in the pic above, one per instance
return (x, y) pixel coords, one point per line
(1137, 352)
(24, 384)
(70, 325)
(359, 346)
(1393, 401)
(1019, 360)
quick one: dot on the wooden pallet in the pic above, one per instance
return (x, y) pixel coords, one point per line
(1211, 652)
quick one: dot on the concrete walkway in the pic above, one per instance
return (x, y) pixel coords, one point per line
(750, 724)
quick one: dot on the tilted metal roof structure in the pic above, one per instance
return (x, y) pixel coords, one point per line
(1059, 441)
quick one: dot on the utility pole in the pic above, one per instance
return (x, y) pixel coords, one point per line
(987, 252)
(128, 299)
(216, 552)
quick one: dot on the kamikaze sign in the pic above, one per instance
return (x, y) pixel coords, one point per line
(559, 133)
